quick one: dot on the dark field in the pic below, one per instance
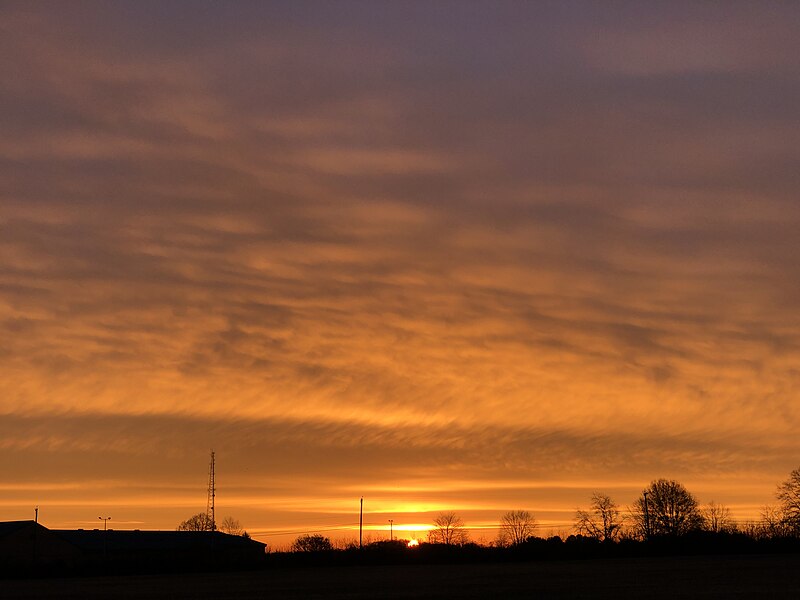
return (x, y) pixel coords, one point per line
(675, 577)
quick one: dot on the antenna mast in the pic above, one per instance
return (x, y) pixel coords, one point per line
(212, 492)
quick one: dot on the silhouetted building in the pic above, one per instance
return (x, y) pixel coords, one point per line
(27, 545)
(190, 549)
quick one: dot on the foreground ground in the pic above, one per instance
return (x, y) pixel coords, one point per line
(674, 577)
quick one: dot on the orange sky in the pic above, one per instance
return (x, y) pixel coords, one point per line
(477, 257)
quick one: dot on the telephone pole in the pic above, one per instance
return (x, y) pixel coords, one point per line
(361, 523)
(646, 518)
(105, 521)
(391, 536)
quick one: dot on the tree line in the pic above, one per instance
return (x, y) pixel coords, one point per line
(664, 510)
(202, 522)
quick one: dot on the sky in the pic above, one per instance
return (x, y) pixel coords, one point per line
(467, 256)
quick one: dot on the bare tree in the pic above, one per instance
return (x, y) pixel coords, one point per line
(350, 543)
(312, 543)
(198, 522)
(773, 524)
(666, 508)
(602, 522)
(232, 526)
(788, 495)
(516, 526)
(448, 529)
(717, 518)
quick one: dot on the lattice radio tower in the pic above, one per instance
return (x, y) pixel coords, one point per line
(212, 492)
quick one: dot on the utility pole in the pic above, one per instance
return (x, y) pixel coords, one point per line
(646, 518)
(391, 537)
(105, 521)
(361, 523)
(35, 534)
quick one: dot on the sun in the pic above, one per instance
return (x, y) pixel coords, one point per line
(413, 543)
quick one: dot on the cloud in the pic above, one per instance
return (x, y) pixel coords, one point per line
(436, 458)
(286, 473)
(381, 230)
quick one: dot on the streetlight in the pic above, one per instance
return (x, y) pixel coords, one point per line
(105, 521)
(390, 529)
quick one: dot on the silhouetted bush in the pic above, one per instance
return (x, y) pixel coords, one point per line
(312, 543)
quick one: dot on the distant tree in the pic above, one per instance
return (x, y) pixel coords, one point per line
(772, 524)
(232, 526)
(602, 522)
(788, 495)
(448, 528)
(312, 543)
(666, 508)
(198, 522)
(383, 546)
(516, 526)
(345, 543)
(717, 518)
(751, 529)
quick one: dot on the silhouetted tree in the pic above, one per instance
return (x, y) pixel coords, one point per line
(516, 526)
(448, 529)
(232, 526)
(773, 524)
(312, 543)
(345, 543)
(788, 495)
(602, 522)
(670, 510)
(717, 518)
(198, 522)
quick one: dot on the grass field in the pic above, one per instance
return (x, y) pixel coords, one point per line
(673, 577)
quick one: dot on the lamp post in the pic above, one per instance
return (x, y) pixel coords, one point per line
(646, 518)
(390, 530)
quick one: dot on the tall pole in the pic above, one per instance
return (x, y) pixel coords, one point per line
(391, 537)
(212, 493)
(35, 534)
(361, 523)
(105, 521)
(646, 518)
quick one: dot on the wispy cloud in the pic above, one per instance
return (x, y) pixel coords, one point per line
(450, 241)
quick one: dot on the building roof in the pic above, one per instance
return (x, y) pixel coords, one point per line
(121, 540)
(7, 527)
